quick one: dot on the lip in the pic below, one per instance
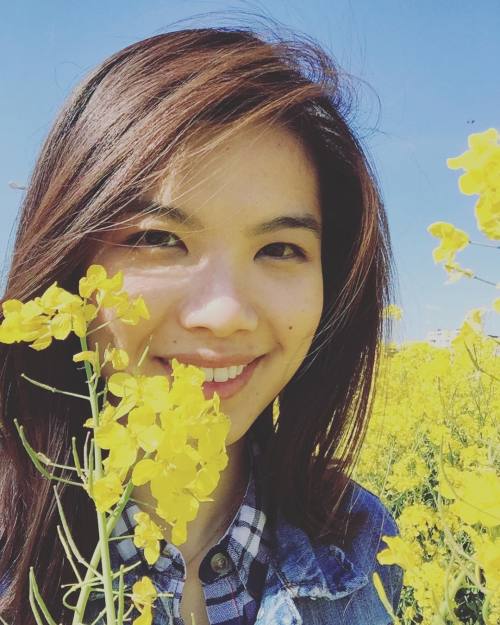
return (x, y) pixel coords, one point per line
(223, 389)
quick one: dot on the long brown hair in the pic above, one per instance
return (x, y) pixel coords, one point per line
(113, 138)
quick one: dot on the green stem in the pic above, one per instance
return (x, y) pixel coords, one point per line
(91, 466)
(36, 461)
(103, 325)
(68, 553)
(144, 353)
(56, 465)
(485, 608)
(101, 516)
(121, 602)
(121, 537)
(69, 538)
(454, 589)
(484, 244)
(98, 617)
(76, 459)
(478, 366)
(483, 280)
(52, 389)
(85, 454)
(34, 607)
(96, 556)
(38, 597)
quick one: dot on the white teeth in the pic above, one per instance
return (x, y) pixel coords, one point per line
(209, 374)
(222, 374)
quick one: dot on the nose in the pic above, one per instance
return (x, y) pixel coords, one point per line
(219, 300)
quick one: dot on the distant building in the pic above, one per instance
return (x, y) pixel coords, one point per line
(440, 337)
(443, 338)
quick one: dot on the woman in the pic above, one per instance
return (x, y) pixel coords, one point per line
(218, 172)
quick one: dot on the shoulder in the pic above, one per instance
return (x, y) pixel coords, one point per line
(339, 575)
(368, 540)
(377, 519)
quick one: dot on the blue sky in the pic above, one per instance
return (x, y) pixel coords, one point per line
(426, 75)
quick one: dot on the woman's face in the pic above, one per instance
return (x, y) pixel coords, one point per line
(235, 273)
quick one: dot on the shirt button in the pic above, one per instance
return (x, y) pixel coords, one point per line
(220, 563)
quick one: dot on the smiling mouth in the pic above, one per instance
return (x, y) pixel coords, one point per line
(225, 388)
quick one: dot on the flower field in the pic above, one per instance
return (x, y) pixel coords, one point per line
(432, 454)
(432, 451)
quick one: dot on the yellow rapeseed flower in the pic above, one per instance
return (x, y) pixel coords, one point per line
(379, 587)
(481, 162)
(53, 315)
(143, 596)
(108, 294)
(171, 485)
(117, 438)
(147, 535)
(96, 279)
(152, 391)
(398, 552)
(449, 407)
(478, 498)
(393, 311)
(181, 475)
(145, 618)
(187, 388)
(487, 212)
(106, 415)
(452, 241)
(177, 509)
(106, 491)
(487, 553)
(130, 312)
(471, 330)
(455, 272)
(141, 423)
(118, 358)
(73, 315)
(20, 325)
(124, 441)
(86, 356)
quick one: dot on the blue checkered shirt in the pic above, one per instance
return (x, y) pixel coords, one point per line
(232, 573)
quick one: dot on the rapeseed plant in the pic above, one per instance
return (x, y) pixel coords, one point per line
(167, 436)
(437, 422)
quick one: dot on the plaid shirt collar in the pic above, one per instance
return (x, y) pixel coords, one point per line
(246, 539)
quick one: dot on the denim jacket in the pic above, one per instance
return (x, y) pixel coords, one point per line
(318, 584)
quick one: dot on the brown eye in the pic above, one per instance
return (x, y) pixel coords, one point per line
(152, 238)
(298, 252)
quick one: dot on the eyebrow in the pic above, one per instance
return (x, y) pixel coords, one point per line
(305, 221)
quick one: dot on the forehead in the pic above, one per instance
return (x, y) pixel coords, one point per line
(257, 169)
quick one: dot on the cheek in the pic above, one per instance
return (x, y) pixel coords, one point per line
(299, 308)
(298, 313)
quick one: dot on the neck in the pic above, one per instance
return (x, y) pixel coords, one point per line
(213, 517)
